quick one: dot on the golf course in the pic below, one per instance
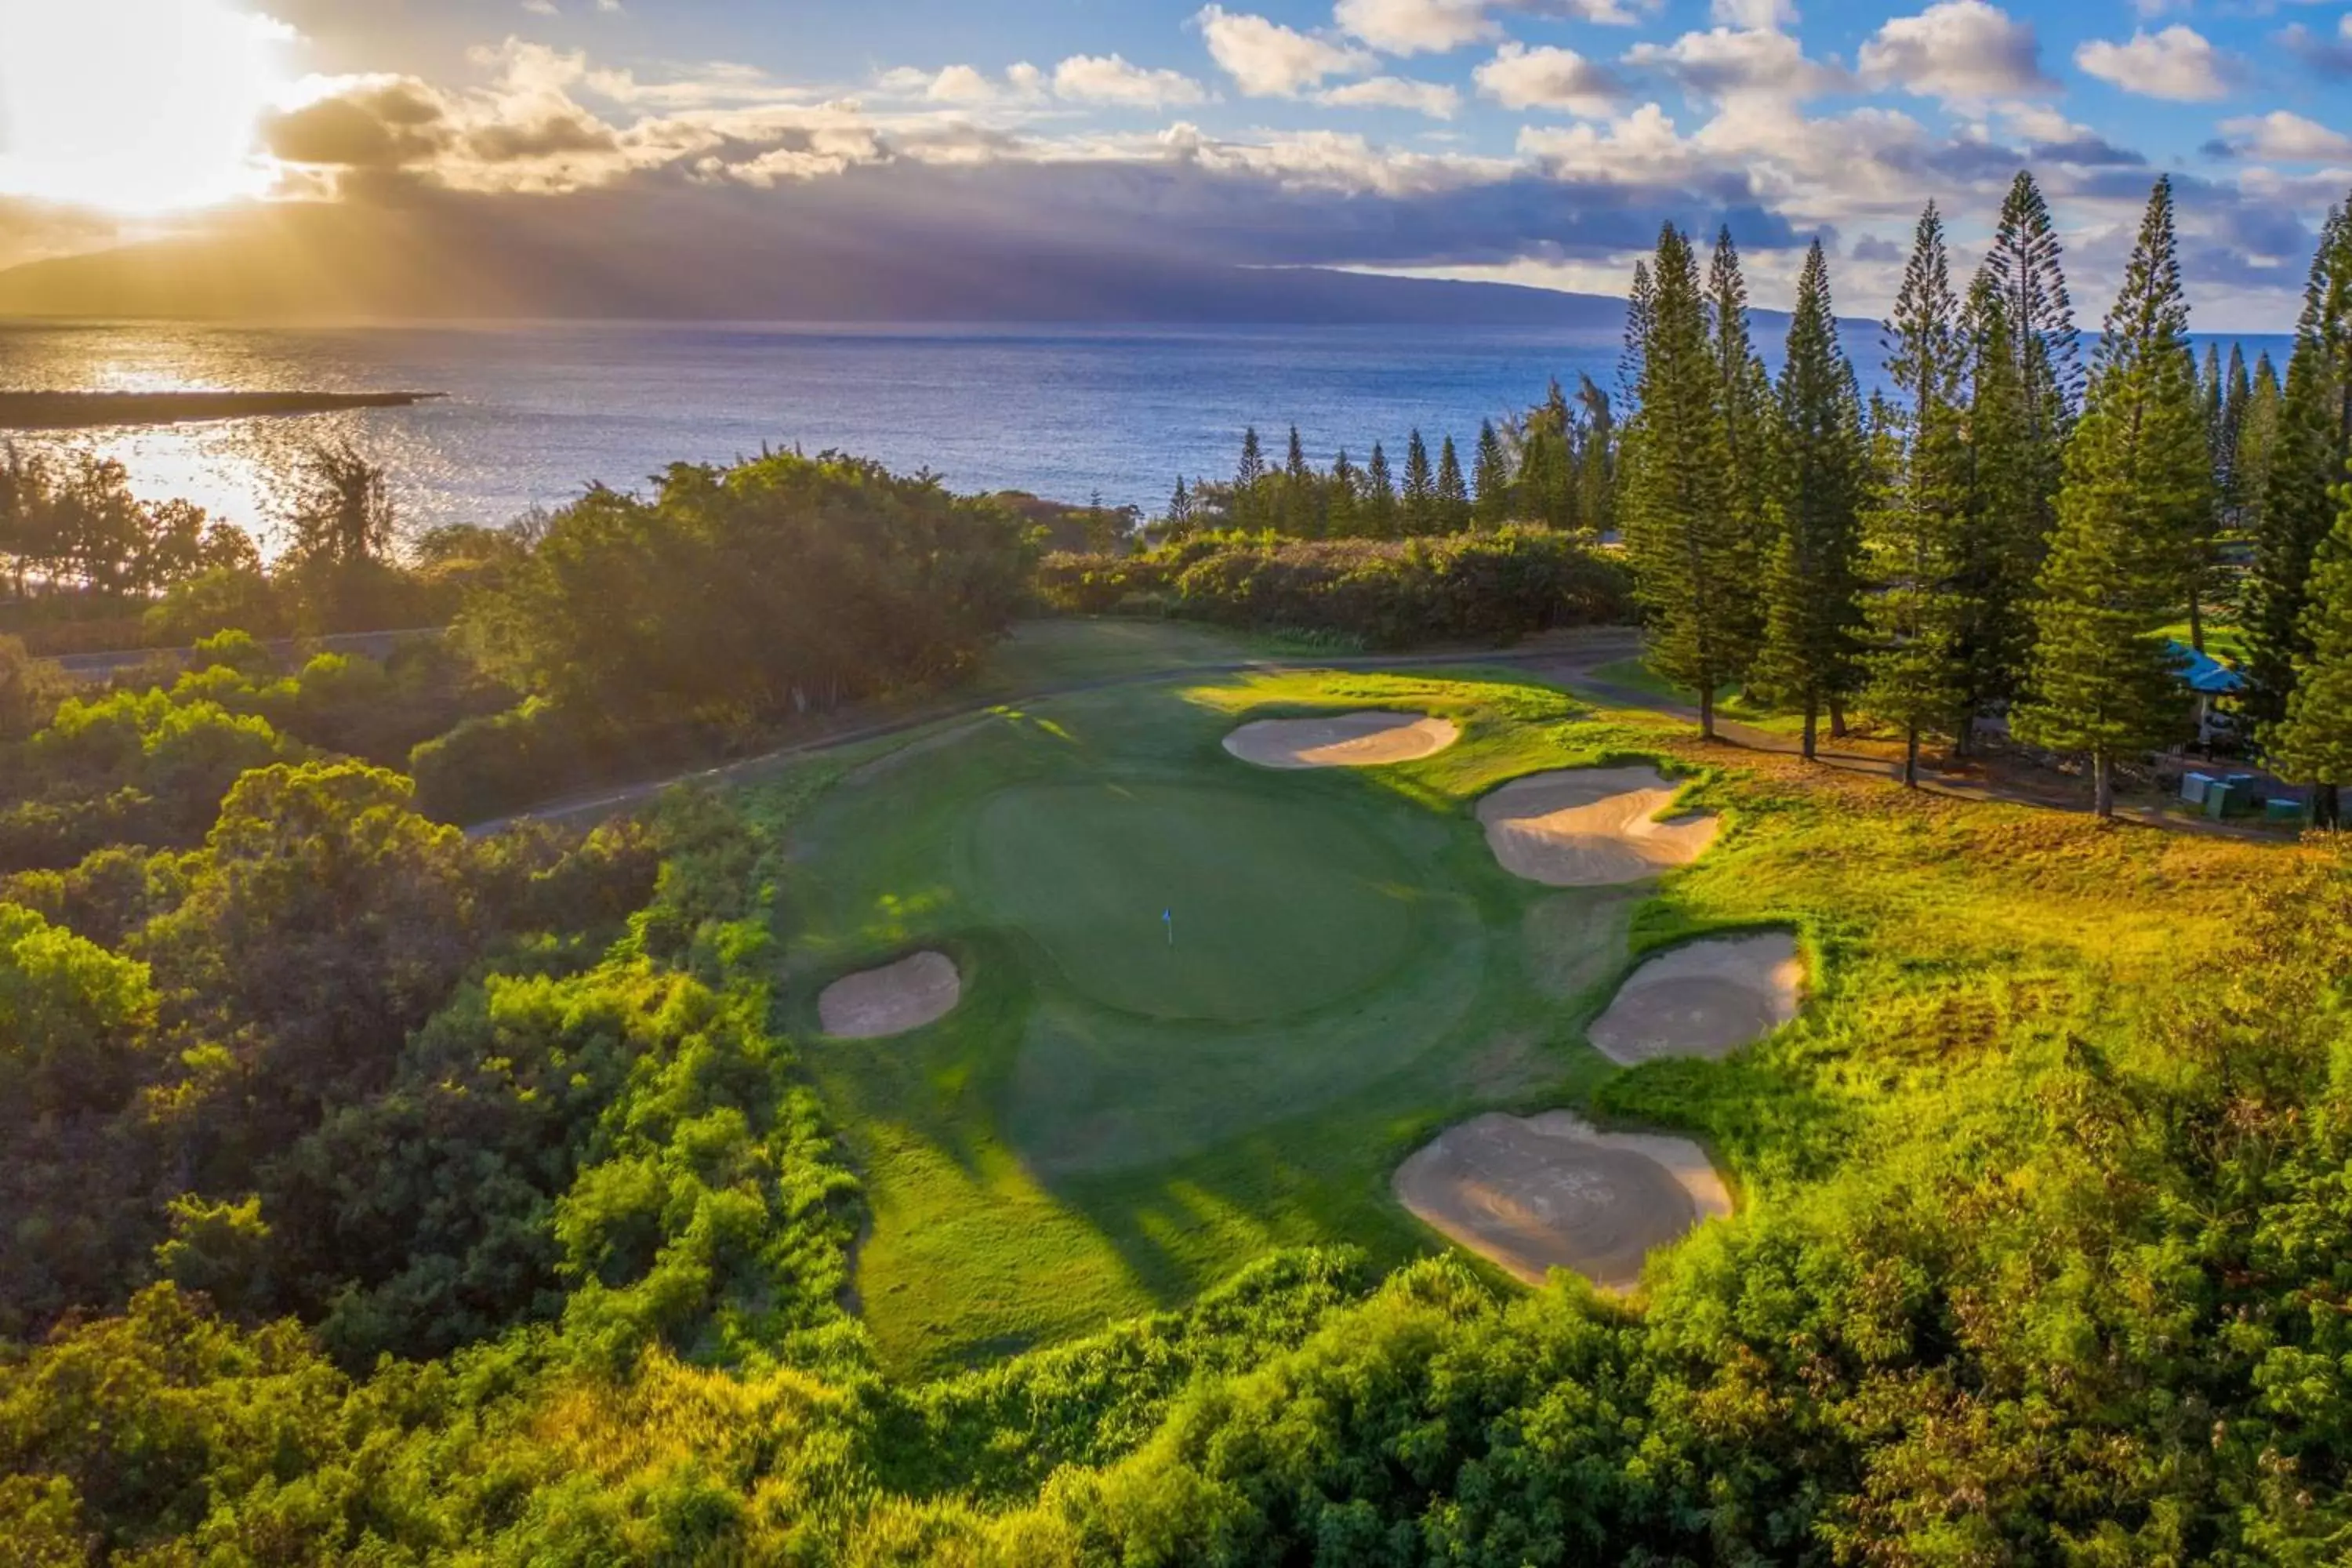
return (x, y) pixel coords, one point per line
(1219, 967)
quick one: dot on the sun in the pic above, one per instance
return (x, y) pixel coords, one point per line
(136, 106)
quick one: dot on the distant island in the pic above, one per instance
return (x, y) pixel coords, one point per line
(89, 410)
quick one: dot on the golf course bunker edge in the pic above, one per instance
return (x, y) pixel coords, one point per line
(875, 1003)
(1549, 1191)
(1365, 739)
(1590, 828)
(1705, 998)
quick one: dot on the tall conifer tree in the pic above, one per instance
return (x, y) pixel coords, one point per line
(1743, 393)
(1490, 478)
(2102, 678)
(1344, 512)
(1453, 490)
(1596, 459)
(2307, 454)
(1249, 482)
(2313, 744)
(1811, 613)
(1420, 507)
(1641, 310)
(1914, 525)
(2001, 543)
(1379, 496)
(1693, 569)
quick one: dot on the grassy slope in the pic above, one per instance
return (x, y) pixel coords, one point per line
(1943, 932)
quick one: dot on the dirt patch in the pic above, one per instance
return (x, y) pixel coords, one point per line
(1584, 827)
(1342, 740)
(917, 990)
(1539, 1192)
(1703, 999)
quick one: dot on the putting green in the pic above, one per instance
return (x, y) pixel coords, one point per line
(1278, 908)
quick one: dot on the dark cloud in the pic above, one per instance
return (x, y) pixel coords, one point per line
(2322, 56)
(379, 126)
(2086, 150)
(1870, 248)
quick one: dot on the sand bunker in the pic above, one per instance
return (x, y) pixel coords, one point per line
(1546, 1191)
(891, 1000)
(1583, 827)
(1342, 740)
(1703, 999)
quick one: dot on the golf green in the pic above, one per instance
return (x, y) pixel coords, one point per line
(1190, 903)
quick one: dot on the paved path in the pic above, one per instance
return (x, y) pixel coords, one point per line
(1568, 662)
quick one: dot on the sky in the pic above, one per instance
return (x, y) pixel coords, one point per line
(1540, 141)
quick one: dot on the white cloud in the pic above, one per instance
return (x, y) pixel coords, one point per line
(1548, 77)
(2285, 137)
(961, 84)
(1266, 59)
(1753, 14)
(1958, 51)
(1416, 27)
(1109, 78)
(1432, 98)
(1724, 63)
(2178, 63)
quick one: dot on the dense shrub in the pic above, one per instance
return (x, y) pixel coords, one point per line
(1474, 587)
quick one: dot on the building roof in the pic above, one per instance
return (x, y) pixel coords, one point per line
(2205, 673)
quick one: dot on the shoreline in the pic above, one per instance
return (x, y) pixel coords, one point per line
(31, 411)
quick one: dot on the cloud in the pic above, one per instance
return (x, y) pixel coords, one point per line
(1416, 27)
(1725, 62)
(2323, 57)
(2178, 64)
(1109, 78)
(1548, 77)
(1266, 59)
(2283, 138)
(1435, 100)
(961, 84)
(1957, 51)
(1754, 15)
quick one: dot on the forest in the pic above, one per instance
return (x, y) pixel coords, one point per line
(382, 1194)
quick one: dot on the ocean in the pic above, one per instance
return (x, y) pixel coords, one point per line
(535, 412)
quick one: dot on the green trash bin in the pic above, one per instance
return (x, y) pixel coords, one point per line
(2283, 809)
(2222, 797)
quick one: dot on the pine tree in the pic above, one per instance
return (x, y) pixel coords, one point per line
(1380, 497)
(1915, 523)
(1345, 521)
(1179, 508)
(2306, 458)
(1692, 570)
(1812, 611)
(2313, 744)
(1596, 461)
(2257, 439)
(1301, 517)
(2229, 436)
(1249, 482)
(1641, 311)
(1743, 394)
(2001, 543)
(1491, 476)
(1420, 507)
(1452, 493)
(2102, 678)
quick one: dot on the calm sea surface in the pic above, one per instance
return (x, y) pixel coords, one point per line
(535, 412)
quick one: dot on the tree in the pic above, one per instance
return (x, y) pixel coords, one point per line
(1641, 313)
(1379, 496)
(1490, 480)
(1420, 507)
(1596, 468)
(1344, 521)
(1299, 519)
(1916, 524)
(1249, 477)
(2002, 541)
(2305, 459)
(2102, 679)
(1694, 571)
(1811, 614)
(1453, 489)
(2313, 744)
(1743, 393)
(1179, 508)
(340, 511)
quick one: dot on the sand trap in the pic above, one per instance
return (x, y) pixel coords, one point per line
(1584, 827)
(891, 1000)
(1703, 999)
(1546, 1191)
(1343, 740)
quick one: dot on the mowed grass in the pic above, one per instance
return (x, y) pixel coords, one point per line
(1050, 1158)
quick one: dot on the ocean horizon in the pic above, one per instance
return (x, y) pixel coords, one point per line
(533, 413)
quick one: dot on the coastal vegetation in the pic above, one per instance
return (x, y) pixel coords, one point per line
(381, 1192)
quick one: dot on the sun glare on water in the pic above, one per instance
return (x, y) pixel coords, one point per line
(135, 105)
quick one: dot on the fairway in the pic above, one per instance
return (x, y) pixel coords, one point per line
(1274, 907)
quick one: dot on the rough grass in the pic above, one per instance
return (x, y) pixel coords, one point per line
(1041, 1164)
